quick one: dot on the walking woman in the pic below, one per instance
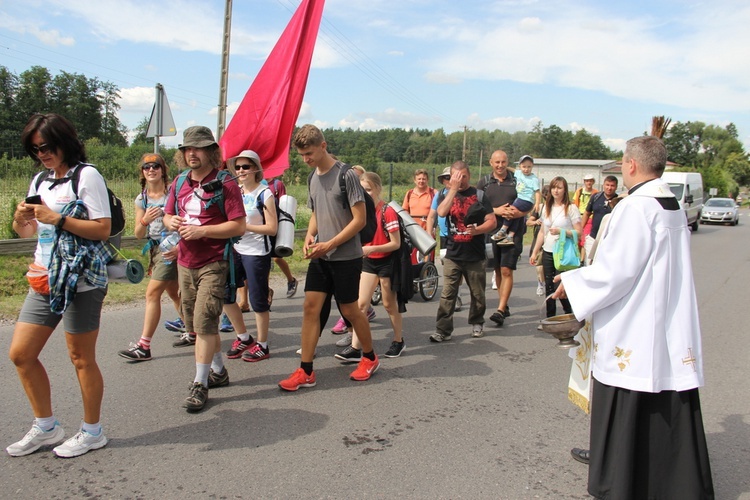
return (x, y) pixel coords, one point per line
(559, 214)
(66, 223)
(377, 267)
(149, 212)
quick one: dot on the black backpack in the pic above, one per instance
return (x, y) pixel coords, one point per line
(367, 233)
(402, 279)
(115, 204)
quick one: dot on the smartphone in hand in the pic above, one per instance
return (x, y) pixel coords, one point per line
(34, 200)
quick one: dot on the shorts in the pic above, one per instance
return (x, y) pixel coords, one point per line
(230, 294)
(340, 278)
(506, 255)
(161, 271)
(257, 268)
(382, 268)
(82, 316)
(202, 296)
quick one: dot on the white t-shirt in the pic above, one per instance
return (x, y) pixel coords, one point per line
(92, 191)
(253, 243)
(557, 218)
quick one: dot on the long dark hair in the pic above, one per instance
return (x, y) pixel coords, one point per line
(58, 133)
(549, 200)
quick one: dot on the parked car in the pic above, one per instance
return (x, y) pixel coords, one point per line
(720, 211)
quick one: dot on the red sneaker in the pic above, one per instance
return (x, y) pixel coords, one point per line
(365, 369)
(298, 379)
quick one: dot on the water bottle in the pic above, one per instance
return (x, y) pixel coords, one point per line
(168, 243)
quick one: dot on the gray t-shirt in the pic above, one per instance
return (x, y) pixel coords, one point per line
(326, 200)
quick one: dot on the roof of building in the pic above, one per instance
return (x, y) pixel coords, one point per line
(564, 162)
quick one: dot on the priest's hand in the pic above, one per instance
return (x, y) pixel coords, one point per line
(559, 293)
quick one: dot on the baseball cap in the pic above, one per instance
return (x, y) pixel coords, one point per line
(249, 154)
(446, 173)
(588, 177)
(197, 137)
(526, 157)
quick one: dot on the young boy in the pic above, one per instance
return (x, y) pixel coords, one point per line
(528, 197)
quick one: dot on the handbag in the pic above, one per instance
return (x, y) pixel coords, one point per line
(566, 255)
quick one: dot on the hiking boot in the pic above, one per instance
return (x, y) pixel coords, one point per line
(35, 439)
(365, 369)
(82, 442)
(498, 318)
(477, 331)
(395, 350)
(175, 325)
(136, 353)
(345, 340)
(340, 327)
(186, 339)
(226, 325)
(197, 399)
(371, 314)
(238, 347)
(291, 288)
(439, 337)
(218, 379)
(349, 355)
(298, 379)
(256, 353)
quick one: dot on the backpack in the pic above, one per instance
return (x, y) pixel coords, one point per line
(367, 233)
(402, 279)
(270, 241)
(115, 204)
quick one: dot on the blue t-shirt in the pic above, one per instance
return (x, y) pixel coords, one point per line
(526, 185)
(442, 221)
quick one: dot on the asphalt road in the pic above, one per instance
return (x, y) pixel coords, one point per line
(470, 418)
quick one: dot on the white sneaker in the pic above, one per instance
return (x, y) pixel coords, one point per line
(540, 289)
(344, 341)
(81, 443)
(494, 283)
(477, 331)
(299, 353)
(35, 439)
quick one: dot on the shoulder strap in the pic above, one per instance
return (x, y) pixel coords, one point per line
(342, 183)
(480, 195)
(178, 187)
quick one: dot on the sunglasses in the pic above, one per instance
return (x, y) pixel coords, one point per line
(245, 167)
(42, 148)
(150, 166)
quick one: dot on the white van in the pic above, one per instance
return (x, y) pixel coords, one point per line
(688, 188)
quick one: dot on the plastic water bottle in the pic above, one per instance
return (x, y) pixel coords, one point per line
(168, 243)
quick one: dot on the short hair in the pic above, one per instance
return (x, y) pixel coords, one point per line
(214, 157)
(58, 133)
(373, 179)
(308, 135)
(649, 152)
(421, 171)
(459, 165)
(610, 178)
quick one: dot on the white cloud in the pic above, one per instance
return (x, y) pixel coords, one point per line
(49, 37)
(616, 144)
(389, 118)
(137, 100)
(506, 123)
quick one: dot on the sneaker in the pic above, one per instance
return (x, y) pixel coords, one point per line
(340, 327)
(498, 318)
(238, 347)
(540, 289)
(197, 399)
(459, 304)
(185, 339)
(81, 443)
(370, 314)
(175, 325)
(507, 241)
(395, 350)
(298, 379)
(256, 353)
(35, 439)
(439, 337)
(136, 353)
(291, 288)
(226, 325)
(494, 282)
(365, 369)
(498, 236)
(218, 379)
(349, 355)
(506, 313)
(477, 331)
(345, 340)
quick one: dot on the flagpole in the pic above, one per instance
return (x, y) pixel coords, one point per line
(222, 114)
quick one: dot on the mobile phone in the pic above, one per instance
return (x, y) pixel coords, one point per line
(34, 200)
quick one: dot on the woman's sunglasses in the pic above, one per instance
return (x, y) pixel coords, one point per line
(150, 166)
(245, 167)
(42, 148)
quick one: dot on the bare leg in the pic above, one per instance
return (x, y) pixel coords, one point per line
(504, 278)
(390, 302)
(25, 347)
(82, 351)
(284, 268)
(234, 313)
(311, 323)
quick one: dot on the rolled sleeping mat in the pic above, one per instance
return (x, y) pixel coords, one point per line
(420, 238)
(285, 233)
(125, 271)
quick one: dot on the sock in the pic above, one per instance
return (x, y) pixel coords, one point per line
(244, 337)
(369, 355)
(93, 429)
(511, 235)
(264, 345)
(145, 342)
(503, 230)
(46, 423)
(307, 367)
(201, 373)
(217, 364)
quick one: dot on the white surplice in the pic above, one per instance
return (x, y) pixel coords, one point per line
(641, 295)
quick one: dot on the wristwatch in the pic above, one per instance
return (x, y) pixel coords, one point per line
(61, 222)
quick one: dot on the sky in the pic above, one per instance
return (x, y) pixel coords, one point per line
(607, 67)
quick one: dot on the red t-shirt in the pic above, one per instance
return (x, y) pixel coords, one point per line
(191, 204)
(391, 225)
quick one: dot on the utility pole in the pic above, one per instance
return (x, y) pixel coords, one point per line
(463, 154)
(222, 114)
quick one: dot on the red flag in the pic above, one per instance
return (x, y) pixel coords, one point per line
(265, 120)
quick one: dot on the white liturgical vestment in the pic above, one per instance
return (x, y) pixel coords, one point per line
(641, 297)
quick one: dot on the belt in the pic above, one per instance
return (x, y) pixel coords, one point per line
(423, 217)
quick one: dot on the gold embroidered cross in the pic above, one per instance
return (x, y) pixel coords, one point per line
(690, 360)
